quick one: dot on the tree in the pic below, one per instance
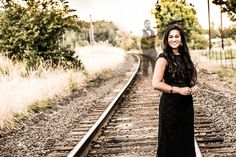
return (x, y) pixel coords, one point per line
(198, 41)
(33, 30)
(73, 38)
(215, 32)
(176, 12)
(229, 32)
(228, 6)
(105, 31)
(127, 41)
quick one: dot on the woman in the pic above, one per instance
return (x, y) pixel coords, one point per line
(176, 76)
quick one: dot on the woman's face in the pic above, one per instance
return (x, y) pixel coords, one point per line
(174, 39)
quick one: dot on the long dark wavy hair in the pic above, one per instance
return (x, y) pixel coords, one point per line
(175, 68)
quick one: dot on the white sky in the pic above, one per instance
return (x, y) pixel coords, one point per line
(130, 14)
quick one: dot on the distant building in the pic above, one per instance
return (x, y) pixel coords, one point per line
(216, 42)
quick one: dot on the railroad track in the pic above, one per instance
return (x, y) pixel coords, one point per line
(91, 123)
(210, 138)
(132, 129)
(130, 126)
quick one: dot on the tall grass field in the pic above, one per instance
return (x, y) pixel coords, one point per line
(20, 90)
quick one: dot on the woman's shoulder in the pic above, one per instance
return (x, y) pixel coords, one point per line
(162, 55)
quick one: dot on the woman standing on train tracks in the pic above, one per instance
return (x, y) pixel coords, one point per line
(176, 76)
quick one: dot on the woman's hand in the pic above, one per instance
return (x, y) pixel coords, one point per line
(185, 90)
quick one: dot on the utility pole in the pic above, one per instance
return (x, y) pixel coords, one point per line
(221, 27)
(222, 35)
(209, 24)
(91, 31)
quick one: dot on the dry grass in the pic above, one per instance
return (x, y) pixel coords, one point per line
(224, 74)
(97, 58)
(20, 91)
(17, 93)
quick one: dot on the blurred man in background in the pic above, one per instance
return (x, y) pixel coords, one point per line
(148, 48)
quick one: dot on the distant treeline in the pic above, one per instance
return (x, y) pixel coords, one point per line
(103, 32)
(36, 31)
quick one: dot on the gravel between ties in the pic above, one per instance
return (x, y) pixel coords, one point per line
(218, 99)
(37, 135)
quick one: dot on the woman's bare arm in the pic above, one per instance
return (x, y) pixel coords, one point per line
(159, 84)
(157, 80)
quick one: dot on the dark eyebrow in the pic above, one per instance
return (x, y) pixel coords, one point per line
(173, 35)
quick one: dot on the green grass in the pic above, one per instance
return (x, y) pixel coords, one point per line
(38, 106)
(224, 72)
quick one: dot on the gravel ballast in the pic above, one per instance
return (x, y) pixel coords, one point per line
(37, 135)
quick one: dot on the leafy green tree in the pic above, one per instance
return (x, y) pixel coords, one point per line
(198, 41)
(107, 31)
(75, 38)
(228, 6)
(215, 32)
(83, 34)
(229, 32)
(104, 31)
(127, 41)
(176, 12)
(33, 30)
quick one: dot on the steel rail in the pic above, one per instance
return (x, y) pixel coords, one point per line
(197, 149)
(83, 145)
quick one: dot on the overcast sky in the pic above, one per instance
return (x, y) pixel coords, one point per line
(130, 14)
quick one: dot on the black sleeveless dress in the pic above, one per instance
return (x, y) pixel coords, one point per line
(176, 119)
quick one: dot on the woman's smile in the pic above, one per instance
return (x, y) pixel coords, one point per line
(174, 39)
